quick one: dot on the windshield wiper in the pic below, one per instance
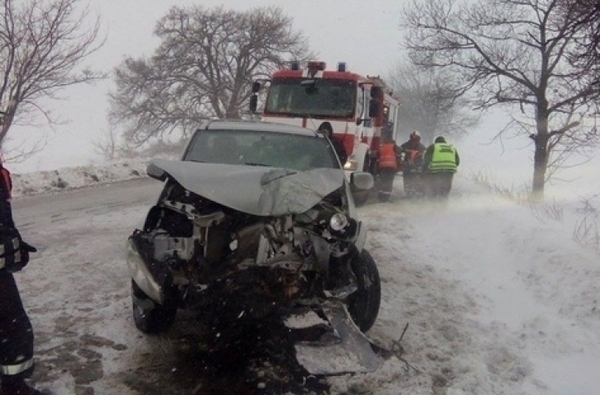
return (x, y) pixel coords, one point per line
(256, 164)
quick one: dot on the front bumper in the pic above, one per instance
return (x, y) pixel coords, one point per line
(146, 274)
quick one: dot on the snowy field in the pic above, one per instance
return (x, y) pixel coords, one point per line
(499, 298)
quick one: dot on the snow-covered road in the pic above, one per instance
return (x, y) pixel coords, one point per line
(497, 301)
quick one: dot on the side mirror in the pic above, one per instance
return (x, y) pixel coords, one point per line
(376, 91)
(253, 103)
(156, 172)
(374, 109)
(359, 121)
(362, 180)
(308, 82)
(255, 87)
(312, 90)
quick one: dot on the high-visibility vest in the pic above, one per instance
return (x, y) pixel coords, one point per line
(443, 158)
(387, 156)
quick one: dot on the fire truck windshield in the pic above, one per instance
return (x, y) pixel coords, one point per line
(314, 98)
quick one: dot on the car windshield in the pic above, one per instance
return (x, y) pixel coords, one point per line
(257, 148)
(331, 98)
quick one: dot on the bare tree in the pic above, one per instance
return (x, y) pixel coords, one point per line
(107, 144)
(42, 43)
(110, 145)
(431, 102)
(203, 68)
(511, 53)
(587, 50)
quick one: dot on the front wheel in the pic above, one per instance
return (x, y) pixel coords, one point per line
(149, 316)
(363, 305)
(383, 196)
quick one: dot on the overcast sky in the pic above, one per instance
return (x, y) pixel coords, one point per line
(363, 33)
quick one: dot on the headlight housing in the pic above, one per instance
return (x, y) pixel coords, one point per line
(338, 222)
(351, 164)
(141, 274)
(343, 227)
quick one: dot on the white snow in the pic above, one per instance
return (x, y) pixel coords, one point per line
(68, 178)
(499, 297)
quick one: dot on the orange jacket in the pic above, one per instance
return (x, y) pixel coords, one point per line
(387, 156)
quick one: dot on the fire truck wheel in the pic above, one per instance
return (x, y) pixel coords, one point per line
(383, 196)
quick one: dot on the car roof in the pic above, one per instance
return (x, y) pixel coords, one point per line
(235, 124)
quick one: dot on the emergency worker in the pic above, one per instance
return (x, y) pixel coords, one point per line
(441, 162)
(16, 334)
(338, 146)
(387, 167)
(412, 164)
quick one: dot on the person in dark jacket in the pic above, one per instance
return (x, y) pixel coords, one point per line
(338, 146)
(16, 334)
(441, 161)
(413, 143)
(412, 164)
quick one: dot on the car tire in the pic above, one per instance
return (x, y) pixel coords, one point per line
(363, 305)
(150, 317)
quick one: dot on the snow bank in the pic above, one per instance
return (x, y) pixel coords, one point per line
(77, 177)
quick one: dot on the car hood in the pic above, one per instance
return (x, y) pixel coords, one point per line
(256, 190)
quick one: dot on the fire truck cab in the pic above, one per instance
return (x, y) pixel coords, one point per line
(358, 109)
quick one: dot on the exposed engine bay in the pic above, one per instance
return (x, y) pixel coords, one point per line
(205, 244)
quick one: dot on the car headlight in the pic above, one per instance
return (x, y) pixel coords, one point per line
(350, 164)
(338, 222)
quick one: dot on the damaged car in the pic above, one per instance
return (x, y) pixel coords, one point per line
(257, 220)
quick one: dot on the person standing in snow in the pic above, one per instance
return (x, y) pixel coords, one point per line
(412, 164)
(441, 161)
(387, 167)
(16, 334)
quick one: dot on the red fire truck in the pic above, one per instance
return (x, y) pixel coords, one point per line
(359, 109)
